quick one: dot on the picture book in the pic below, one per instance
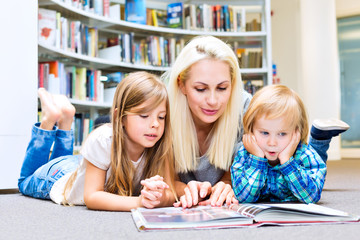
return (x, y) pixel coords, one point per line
(237, 215)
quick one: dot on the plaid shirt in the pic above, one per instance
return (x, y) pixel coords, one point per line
(301, 178)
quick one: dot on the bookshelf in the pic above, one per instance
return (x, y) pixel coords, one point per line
(245, 42)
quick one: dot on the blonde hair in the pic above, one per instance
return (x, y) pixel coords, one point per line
(223, 135)
(276, 101)
(132, 91)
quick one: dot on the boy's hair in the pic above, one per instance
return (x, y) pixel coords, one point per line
(276, 101)
(223, 136)
(131, 92)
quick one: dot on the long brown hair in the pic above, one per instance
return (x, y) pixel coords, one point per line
(131, 92)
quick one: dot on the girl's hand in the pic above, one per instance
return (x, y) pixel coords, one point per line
(221, 193)
(153, 191)
(193, 192)
(251, 145)
(290, 149)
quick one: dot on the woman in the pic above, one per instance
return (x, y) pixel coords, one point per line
(206, 99)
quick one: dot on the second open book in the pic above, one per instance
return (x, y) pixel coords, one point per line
(237, 215)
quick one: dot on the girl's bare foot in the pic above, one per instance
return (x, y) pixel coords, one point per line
(50, 112)
(67, 112)
(55, 108)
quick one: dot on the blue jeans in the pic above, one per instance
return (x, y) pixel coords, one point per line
(320, 146)
(39, 172)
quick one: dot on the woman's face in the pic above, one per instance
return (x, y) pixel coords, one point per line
(207, 90)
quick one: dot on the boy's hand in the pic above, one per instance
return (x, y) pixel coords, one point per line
(251, 145)
(286, 154)
(153, 191)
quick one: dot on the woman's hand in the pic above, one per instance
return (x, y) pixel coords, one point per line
(251, 145)
(221, 193)
(194, 192)
(153, 191)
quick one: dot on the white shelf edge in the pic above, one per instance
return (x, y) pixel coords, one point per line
(90, 103)
(101, 61)
(146, 28)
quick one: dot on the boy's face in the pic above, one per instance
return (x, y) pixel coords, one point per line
(272, 135)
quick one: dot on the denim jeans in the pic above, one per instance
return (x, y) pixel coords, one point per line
(320, 146)
(39, 172)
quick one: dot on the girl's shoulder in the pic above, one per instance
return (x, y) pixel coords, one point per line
(101, 136)
(104, 131)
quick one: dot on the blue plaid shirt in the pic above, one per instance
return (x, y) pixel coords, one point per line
(301, 178)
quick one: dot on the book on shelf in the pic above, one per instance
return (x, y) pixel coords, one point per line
(159, 18)
(175, 15)
(135, 11)
(47, 26)
(237, 215)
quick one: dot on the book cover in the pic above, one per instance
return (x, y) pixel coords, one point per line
(237, 215)
(47, 20)
(135, 11)
(175, 15)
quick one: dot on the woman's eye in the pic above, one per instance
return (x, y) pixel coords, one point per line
(200, 89)
(143, 116)
(222, 88)
(161, 118)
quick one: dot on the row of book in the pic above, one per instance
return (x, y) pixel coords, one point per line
(82, 126)
(206, 17)
(66, 34)
(151, 50)
(74, 82)
(98, 7)
(249, 57)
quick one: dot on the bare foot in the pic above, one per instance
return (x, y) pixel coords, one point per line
(50, 112)
(67, 112)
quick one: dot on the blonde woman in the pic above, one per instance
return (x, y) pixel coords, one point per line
(207, 101)
(125, 164)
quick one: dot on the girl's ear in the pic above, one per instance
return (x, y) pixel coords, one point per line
(115, 114)
(181, 85)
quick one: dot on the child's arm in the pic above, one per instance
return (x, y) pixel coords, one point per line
(248, 172)
(305, 175)
(156, 191)
(97, 199)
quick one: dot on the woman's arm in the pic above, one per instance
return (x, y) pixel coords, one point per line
(97, 199)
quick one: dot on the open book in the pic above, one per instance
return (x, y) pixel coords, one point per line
(237, 215)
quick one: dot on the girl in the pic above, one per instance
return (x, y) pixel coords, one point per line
(275, 163)
(115, 157)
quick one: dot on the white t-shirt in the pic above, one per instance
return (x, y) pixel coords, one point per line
(96, 149)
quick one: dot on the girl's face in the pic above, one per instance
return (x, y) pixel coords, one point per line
(272, 135)
(207, 90)
(145, 129)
